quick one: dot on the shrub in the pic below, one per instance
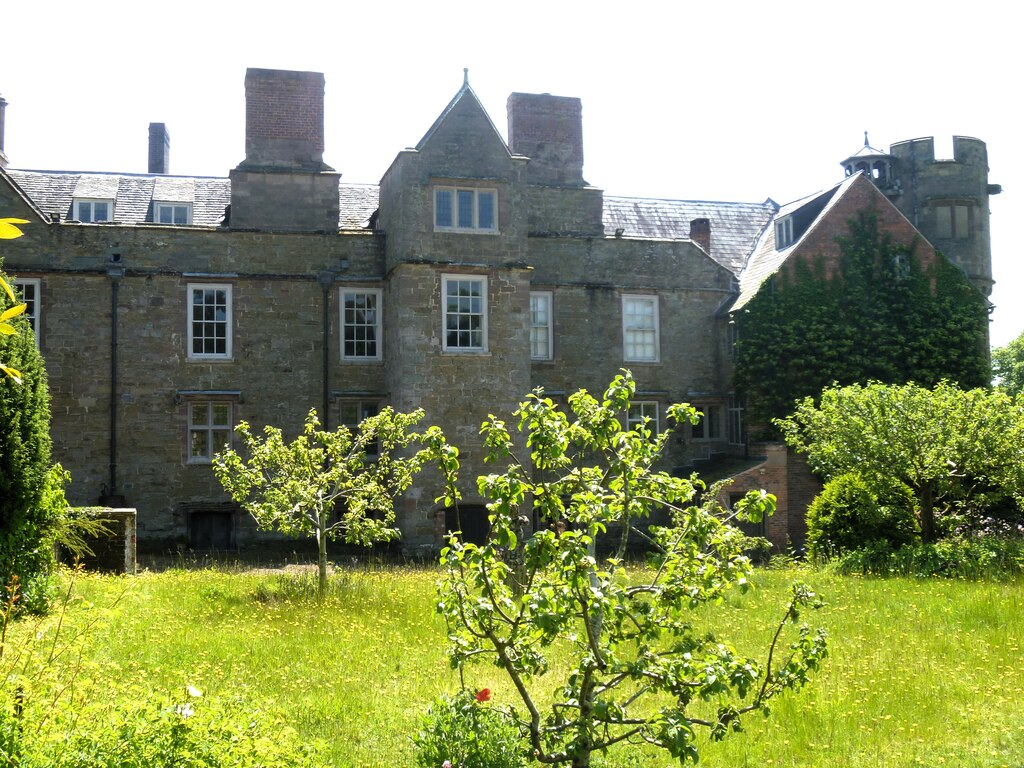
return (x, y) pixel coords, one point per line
(465, 732)
(25, 520)
(958, 557)
(193, 734)
(848, 515)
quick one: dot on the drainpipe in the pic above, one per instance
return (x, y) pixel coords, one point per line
(115, 271)
(326, 280)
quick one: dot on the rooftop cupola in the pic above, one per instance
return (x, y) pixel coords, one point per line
(876, 164)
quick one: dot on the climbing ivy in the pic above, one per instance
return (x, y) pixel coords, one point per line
(882, 317)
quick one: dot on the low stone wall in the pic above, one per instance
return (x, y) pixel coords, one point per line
(116, 551)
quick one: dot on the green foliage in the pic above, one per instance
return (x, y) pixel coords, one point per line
(467, 732)
(956, 557)
(8, 231)
(45, 723)
(26, 515)
(849, 514)
(638, 670)
(325, 484)
(947, 445)
(1008, 366)
(194, 733)
(882, 317)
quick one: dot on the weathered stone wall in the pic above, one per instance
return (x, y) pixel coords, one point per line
(926, 181)
(274, 374)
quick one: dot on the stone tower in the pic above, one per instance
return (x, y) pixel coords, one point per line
(947, 200)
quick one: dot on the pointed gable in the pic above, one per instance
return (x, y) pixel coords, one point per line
(808, 229)
(463, 141)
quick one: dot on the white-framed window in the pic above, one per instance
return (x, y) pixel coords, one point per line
(735, 420)
(465, 209)
(361, 324)
(90, 210)
(352, 412)
(643, 412)
(952, 221)
(172, 213)
(732, 337)
(29, 289)
(710, 425)
(209, 429)
(640, 329)
(540, 325)
(464, 312)
(783, 233)
(209, 321)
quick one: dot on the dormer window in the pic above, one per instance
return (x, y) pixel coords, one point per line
(90, 211)
(783, 233)
(465, 210)
(172, 213)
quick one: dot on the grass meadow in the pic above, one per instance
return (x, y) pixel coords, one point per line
(919, 672)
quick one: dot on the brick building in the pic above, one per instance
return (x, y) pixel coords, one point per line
(168, 308)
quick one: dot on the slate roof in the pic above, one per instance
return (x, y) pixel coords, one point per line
(766, 258)
(735, 227)
(53, 193)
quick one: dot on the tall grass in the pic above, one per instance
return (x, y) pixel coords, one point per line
(919, 672)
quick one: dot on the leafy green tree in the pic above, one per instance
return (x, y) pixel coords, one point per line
(638, 669)
(326, 484)
(26, 519)
(1008, 366)
(9, 231)
(881, 317)
(945, 444)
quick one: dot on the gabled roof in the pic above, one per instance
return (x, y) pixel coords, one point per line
(767, 259)
(735, 227)
(53, 192)
(465, 93)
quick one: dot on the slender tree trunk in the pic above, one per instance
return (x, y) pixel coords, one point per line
(321, 541)
(927, 500)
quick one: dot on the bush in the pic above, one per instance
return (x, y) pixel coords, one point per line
(193, 734)
(25, 518)
(958, 557)
(465, 732)
(849, 514)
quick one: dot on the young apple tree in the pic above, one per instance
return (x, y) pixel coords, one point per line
(339, 484)
(639, 670)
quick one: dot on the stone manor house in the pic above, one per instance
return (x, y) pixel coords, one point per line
(169, 308)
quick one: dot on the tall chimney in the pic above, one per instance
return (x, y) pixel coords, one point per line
(284, 120)
(283, 184)
(549, 130)
(3, 112)
(700, 233)
(159, 149)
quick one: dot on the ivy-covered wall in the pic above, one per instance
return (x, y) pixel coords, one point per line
(884, 315)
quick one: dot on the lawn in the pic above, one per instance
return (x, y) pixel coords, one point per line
(919, 672)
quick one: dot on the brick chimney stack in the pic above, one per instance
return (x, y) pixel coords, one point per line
(284, 120)
(700, 233)
(283, 184)
(159, 149)
(549, 130)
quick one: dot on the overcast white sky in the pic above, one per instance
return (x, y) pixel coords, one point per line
(715, 101)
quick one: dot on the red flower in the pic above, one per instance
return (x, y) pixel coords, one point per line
(484, 694)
